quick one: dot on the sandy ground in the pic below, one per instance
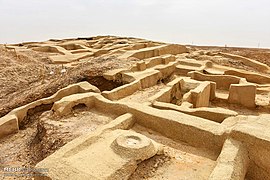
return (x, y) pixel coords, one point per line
(259, 54)
(46, 134)
(143, 95)
(179, 161)
(26, 76)
(32, 76)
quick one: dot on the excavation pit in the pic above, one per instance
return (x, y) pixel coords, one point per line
(102, 84)
(148, 110)
(47, 133)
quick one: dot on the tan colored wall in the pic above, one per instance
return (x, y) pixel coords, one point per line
(54, 49)
(175, 125)
(200, 96)
(188, 65)
(179, 126)
(243, 94)
(114, 75)
(254, 133)
(61, 169)
(122, 91)
(166, 70)
(8, 121)
(150, 80)
(222, 81)
(190, 62)
(213, 88)
(233, 160)
(167, 94)
(172, 49)
(141, 66)
(164, 95)
(153, 62)
(248, 62)
(232, 163)
(156, 51)
(144, 79)
(250, 76)
(167, 58)
(213, 114)
(189, 84)
(184, 70)
(8, 125)
(65, 105)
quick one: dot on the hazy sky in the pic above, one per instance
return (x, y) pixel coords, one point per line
(201, 22)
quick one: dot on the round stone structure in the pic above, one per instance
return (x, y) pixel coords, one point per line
(134, 146)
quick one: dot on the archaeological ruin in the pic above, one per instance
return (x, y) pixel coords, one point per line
(174, 112)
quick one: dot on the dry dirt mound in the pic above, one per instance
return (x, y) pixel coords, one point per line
(28, 77)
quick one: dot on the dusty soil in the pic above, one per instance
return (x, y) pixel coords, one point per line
(45, 133)
(26, 76)
(261, 55)
(142, 95)
(31, 76)
(204, 53)
(239, 109)
(258, 54)
(178, 160)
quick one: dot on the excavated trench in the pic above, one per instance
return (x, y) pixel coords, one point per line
(52, 132)
(33, 114)
(99, 81)
(177, 160)
(102, 84)
(42, 133)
